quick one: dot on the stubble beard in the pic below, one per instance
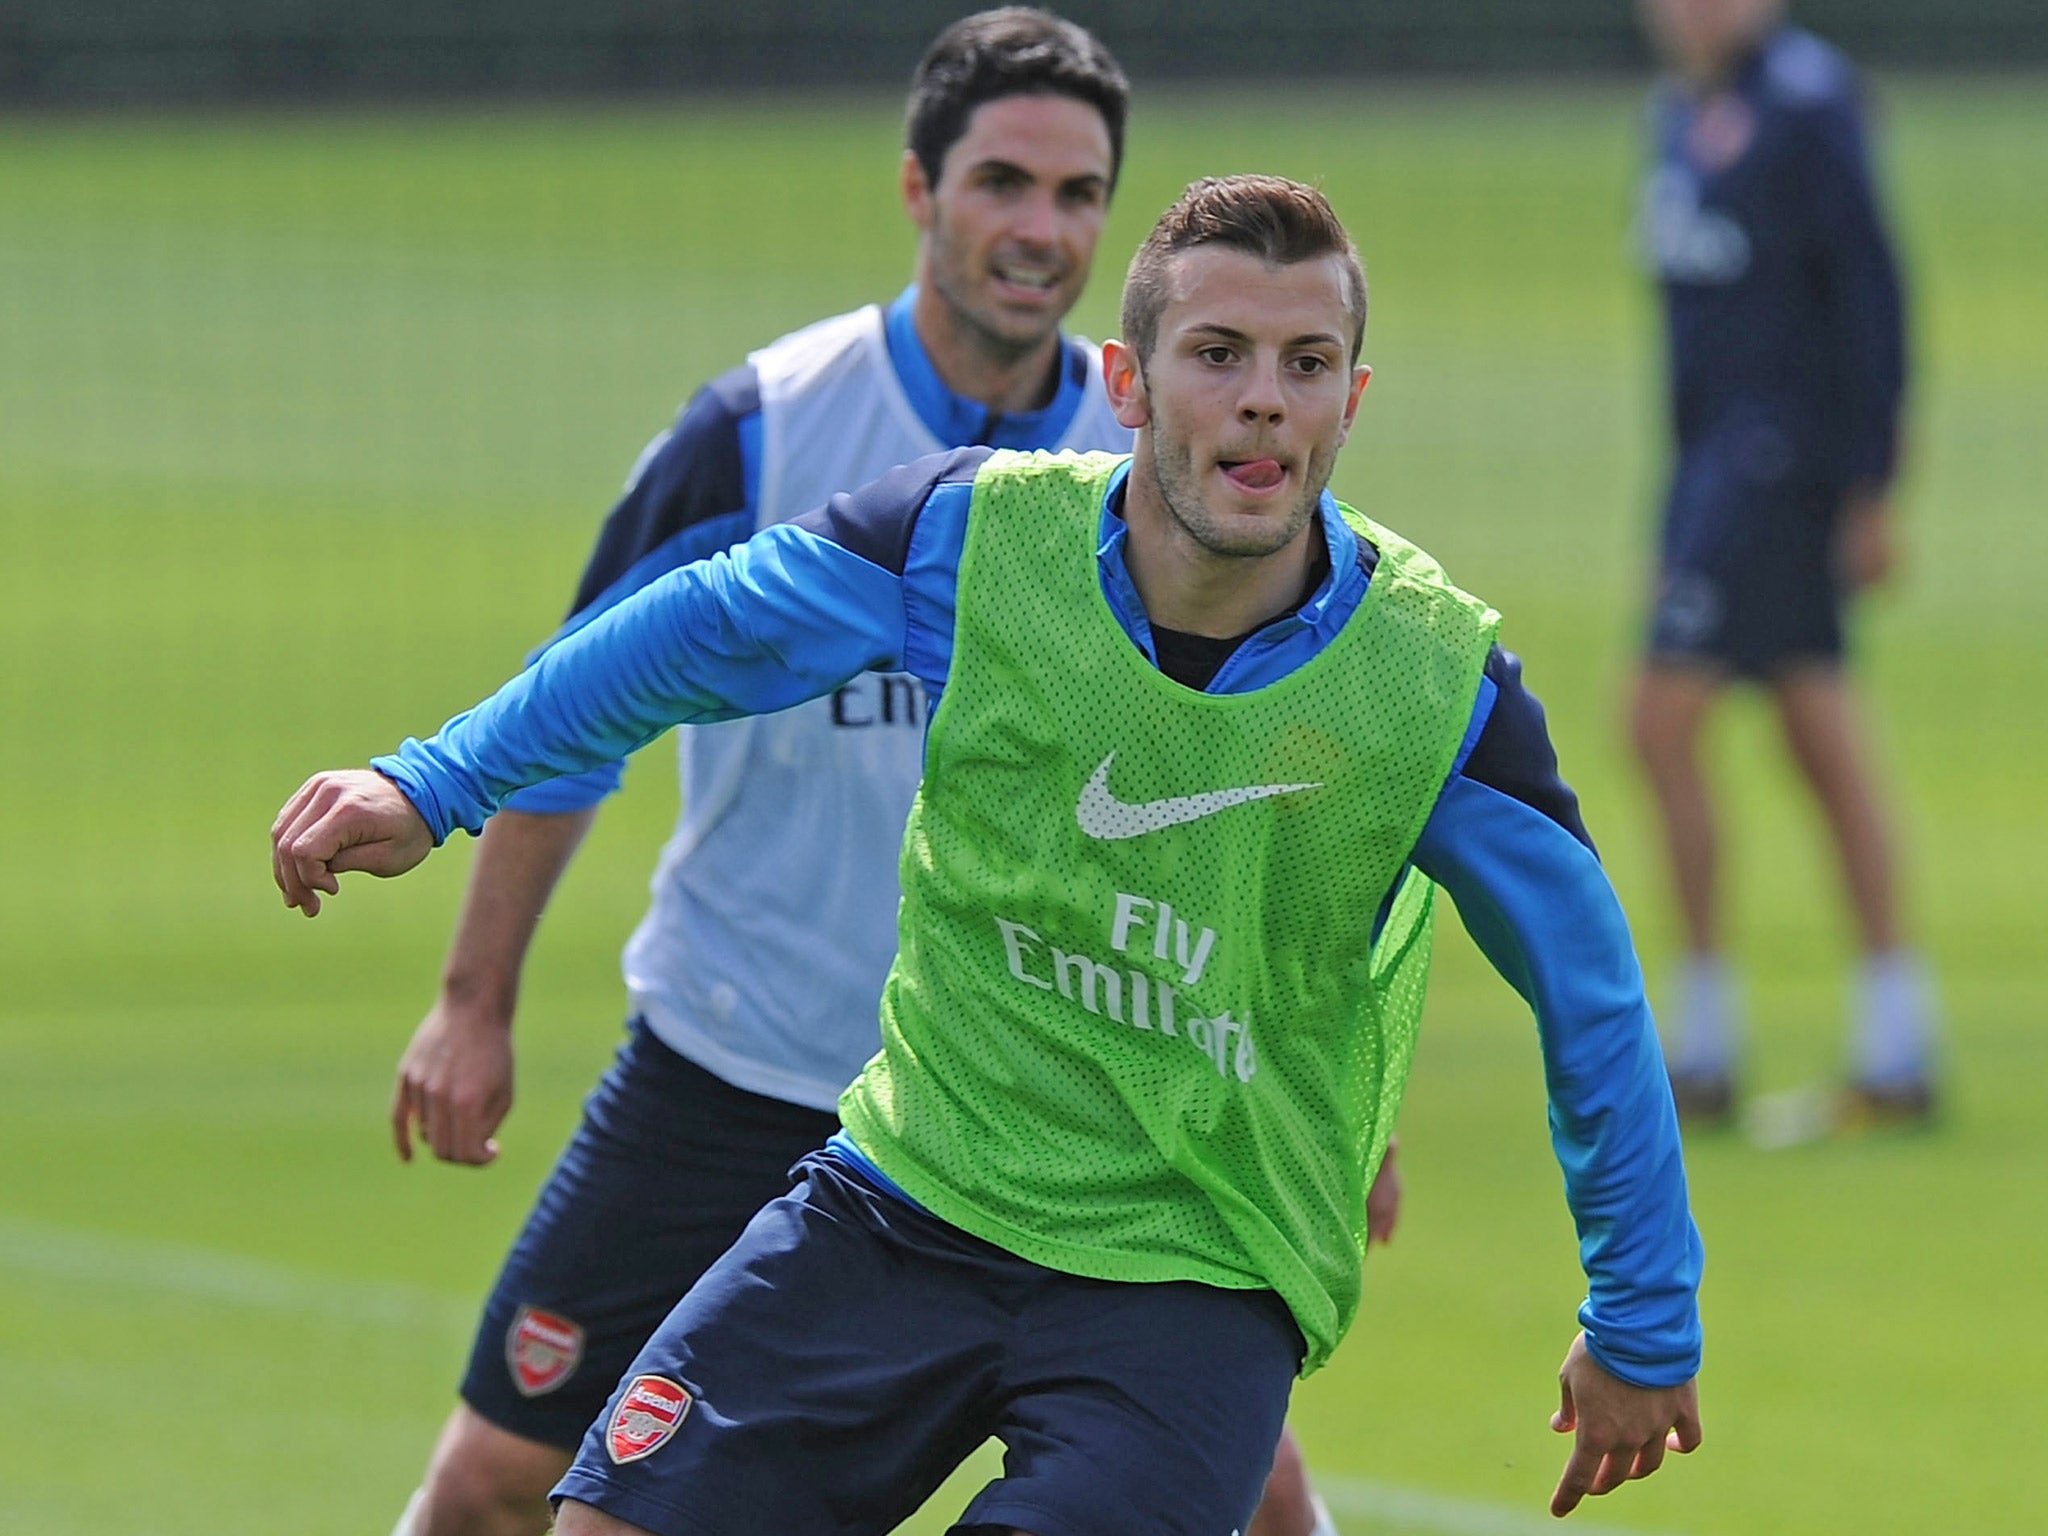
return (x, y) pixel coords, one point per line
(1179, 484)
(952, 282)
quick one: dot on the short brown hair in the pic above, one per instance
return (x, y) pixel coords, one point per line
(1279, 221)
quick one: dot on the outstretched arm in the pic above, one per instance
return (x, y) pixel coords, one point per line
(455, 1078)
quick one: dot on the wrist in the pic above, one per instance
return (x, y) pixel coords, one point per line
(482, 999)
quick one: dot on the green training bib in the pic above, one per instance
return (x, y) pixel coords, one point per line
(1140, 1027)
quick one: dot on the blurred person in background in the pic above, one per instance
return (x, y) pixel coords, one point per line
(754, 976)
(1785, 334)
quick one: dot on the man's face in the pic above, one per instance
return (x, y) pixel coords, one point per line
(1703, 37)
(1247, 396)
(1009, 231)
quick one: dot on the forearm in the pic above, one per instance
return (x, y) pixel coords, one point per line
(784, 618)
(519, 860)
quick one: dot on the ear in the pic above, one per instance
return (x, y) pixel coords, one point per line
(1360, 377)
(917, 191)
(1125, 382)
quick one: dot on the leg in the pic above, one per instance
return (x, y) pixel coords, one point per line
(1138, 1407)
(821, 1379)
(1891, 1070)
(577, 1519)
(1670, 705)
(662, 1174)
(1820, 727)
(486, 1481)
(1289, 1506)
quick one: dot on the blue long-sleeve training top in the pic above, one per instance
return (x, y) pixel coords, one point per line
(867, 583)
(1782, 299)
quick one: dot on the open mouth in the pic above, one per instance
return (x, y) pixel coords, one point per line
(1253, 474)
(1032, 279)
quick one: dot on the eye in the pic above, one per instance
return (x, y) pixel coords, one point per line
(1311, 364)
(1214, 353)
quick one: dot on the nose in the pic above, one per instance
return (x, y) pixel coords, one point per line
(1037, 221)
(1261, 402)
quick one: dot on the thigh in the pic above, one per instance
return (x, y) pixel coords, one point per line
(664, 1172)
(821, 1379)
(1152, 1407)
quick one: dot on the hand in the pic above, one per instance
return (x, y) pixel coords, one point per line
(1383, 1200)
(341, 821)
(1863, 541)
(455, 1079)
(1622, 1431)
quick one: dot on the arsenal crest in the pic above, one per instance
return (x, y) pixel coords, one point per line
(646, 1416)
(542, 1348)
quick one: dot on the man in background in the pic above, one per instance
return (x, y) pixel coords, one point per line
(1787, 367)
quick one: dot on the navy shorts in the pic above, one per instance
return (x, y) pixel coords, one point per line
(1748, 584)
(667, 1168)
(851, 1350)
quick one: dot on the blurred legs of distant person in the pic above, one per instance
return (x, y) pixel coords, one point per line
(1889, 1069)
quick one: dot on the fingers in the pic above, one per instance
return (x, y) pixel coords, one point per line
(1685, 1438)
(1579, 1471)
(401, 1119)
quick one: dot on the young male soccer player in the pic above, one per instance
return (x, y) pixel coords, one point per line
(1787, 367)
(1202, 741)
(753, 977)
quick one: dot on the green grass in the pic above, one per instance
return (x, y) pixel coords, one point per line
(305, 424)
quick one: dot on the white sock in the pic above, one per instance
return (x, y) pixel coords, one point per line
(1324, 1525)
(1894, 1019)
(404, 1526)
(1704, 1024)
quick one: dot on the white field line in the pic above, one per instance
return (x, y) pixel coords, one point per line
(1422, 1510)
(200, 1274)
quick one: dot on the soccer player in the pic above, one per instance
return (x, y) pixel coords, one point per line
(1202, 741)
(1787, 366)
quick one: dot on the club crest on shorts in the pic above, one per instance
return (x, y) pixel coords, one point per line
(648, 1413)
(543, 1349)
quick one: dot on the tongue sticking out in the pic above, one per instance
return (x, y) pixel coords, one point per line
(1256, 474)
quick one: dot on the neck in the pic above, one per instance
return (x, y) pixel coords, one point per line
(981, 367)
(1191, 588)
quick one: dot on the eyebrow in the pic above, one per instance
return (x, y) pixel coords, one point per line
(1227, 333)
(996, 164)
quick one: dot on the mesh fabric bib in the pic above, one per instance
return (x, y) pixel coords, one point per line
(1139, 1028)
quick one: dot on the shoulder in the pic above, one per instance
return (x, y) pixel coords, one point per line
(877, 522)
(1800, 73)
(701, 454)
(820, 351)
(1513, 753)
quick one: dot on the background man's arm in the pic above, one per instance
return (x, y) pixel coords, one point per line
(455, 1078)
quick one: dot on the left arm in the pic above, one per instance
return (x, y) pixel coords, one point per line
(1506, 842)
(1858, 274)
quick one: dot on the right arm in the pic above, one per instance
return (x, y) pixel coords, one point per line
(790, 615)
(690, 494)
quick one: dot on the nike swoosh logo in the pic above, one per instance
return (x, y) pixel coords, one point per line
(1103, 816)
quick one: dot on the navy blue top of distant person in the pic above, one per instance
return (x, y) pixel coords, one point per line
(1781, 292)
(867, 583)
(696, 490)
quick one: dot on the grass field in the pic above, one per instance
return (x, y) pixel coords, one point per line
(305, 423)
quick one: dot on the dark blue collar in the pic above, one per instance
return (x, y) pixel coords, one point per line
(959, 422)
